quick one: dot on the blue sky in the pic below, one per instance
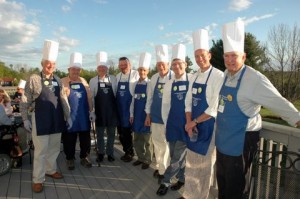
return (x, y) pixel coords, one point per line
(126, 28)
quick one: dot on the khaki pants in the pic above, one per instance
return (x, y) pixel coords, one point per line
(46, 151)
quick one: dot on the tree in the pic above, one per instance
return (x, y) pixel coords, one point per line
(217, 59)
(284, 51)
(189, 63)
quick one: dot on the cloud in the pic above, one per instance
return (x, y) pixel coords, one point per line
(161, 27)
(71, 1)
(257, 18)
(66, 44)
(65, 8)
(15, 31)
(239, 5)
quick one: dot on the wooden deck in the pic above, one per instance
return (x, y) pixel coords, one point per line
(113, 180)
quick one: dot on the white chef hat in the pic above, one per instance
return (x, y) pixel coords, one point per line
(75, 60)
(145, 59)
(22, 84)
(162, 54)
(233, 36)
(50, 50)
(101, 58)
(178, 52)
(200, 39)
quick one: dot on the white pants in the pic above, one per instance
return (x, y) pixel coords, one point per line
(46, 151)
(198, 173)
(161, 147)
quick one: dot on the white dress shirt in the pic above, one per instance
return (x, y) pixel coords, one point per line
(152, 84)
(166, 100)
(134, 76)
(213, 87)
(255, 91)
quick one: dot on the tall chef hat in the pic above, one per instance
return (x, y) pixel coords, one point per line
(178, 52)
(145, 59)
(50, 50)
(101, 58)
(162, 54)
(75, 60)
(22, 84)
(233, 36)
(200, 39)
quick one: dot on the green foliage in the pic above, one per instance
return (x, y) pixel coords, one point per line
(189, 63)
(217, 59)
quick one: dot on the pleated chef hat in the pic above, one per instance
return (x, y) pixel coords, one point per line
(145, 59)
(101, 58)
(162, 54)
(75, 60)
(50, 50)
(178, 52)
(200, 39)
(233, 36)
(22, 84)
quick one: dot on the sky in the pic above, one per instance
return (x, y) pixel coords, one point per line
(126, 27)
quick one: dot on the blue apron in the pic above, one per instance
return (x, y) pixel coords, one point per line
(105, 105)
(140, 99)
(124, 98)
(155, 111)
(205, 129)
(49, 115)
(175, 128)
(231, 121)
(79, 108)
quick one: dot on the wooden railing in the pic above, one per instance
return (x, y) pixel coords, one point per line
(277, 138)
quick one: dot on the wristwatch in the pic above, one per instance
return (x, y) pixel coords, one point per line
(196, 121)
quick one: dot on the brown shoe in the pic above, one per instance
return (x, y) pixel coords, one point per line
(37, 187)
(55, 175)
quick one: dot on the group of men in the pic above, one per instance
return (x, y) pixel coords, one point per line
(166, 111)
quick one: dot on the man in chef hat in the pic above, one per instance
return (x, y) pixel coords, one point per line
(125, 80)
(142, 137)
(173, 115)
(20, 89)
(80, 100)
(45, 97)
(238, 121)
(104, 88)
(153, 110)
(201, 109)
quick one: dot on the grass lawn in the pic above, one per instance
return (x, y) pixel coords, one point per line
(269, 116)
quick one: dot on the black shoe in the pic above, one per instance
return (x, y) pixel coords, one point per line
(136, 163)
(177, 186)
(162, 190)
(100, 157)
(155, 174)
(127, 158)
(145, 166)
(160, 178)
(110, 158)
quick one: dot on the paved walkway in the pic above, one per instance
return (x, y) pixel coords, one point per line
(116, 180)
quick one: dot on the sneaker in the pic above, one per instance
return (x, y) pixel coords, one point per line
(177, 186)
(110, 158)
(86, 162)
(100, 157)
(70, 164)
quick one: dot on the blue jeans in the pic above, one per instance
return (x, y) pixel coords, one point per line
(177, 162)
(110, 131)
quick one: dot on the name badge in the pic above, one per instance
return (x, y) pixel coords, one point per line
(194, 91)
(54, 84)
(122, 87)
(75, 86)
(102, 85)
(182, 88)
(221, 108)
